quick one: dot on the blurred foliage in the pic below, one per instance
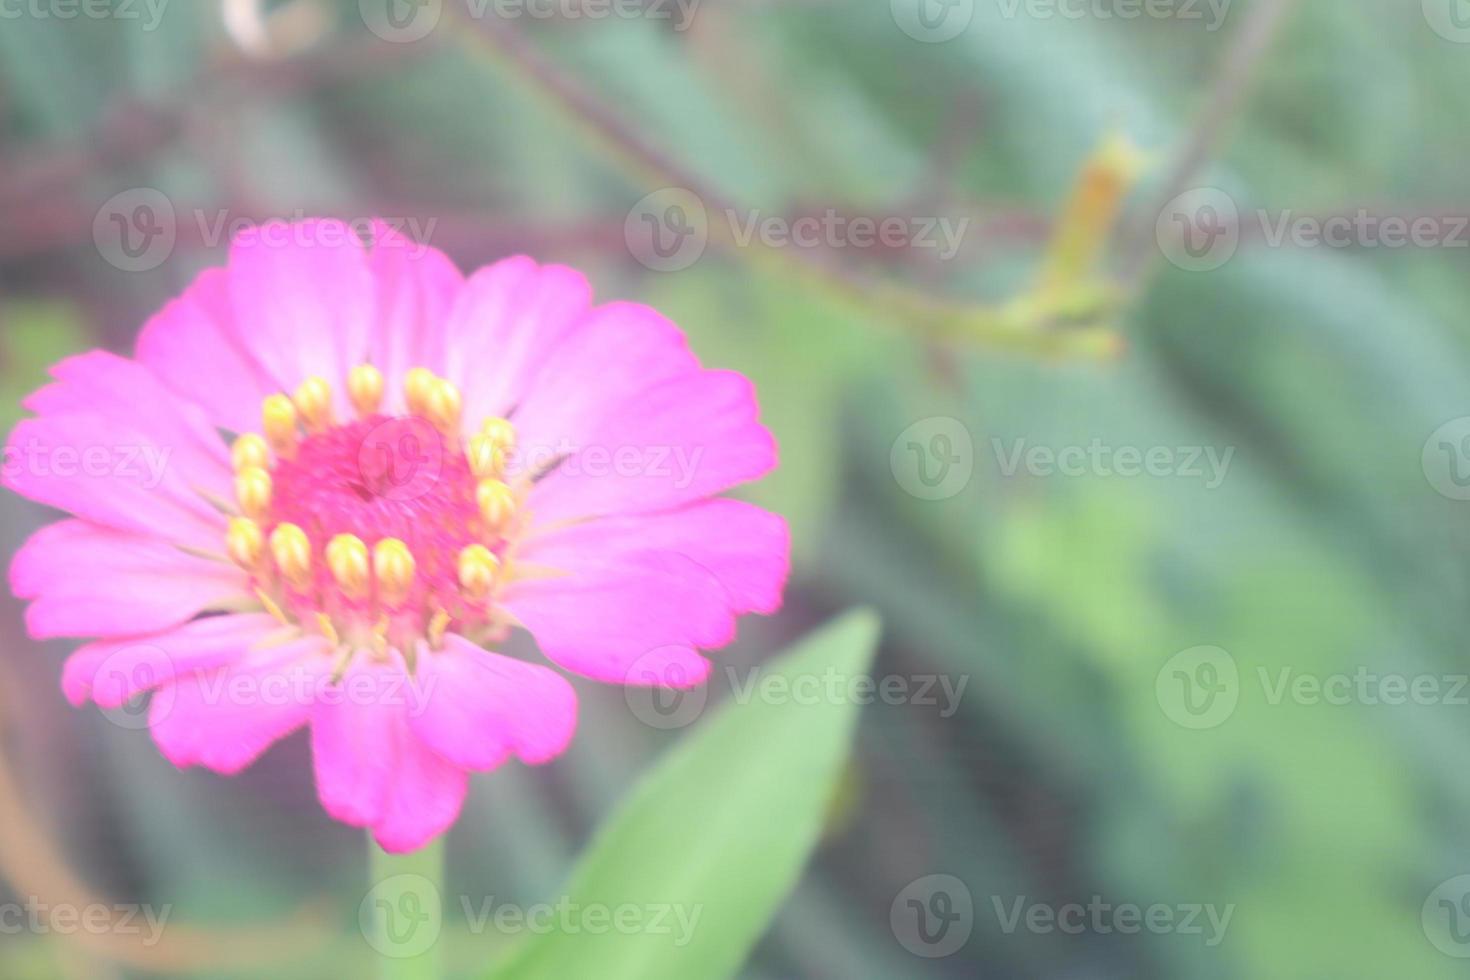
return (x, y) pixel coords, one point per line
(1059, 598)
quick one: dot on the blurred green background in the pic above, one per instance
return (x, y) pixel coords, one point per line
(1084, 762)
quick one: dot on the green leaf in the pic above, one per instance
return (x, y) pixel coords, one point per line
(716, 835)
(33, 336)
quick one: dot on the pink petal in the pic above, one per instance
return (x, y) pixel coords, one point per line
(424, 799)
(607, 615)
(506, 325)
(481, 707)
(416, 288)
(746, 548)
(224, 719)
(354, 740)
(192, 345)
(102, 469)
(113, 672)
(105, 384)
(371, 770)
(89, 580)
(612, 354)
(302, 297)
(676, 442)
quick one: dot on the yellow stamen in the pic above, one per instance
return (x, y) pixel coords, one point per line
(278, 417)
(314, 402)
(497, 503)
(486, 457)
(438, 626)
(253, 488)
(292, 551)
(443, 406)
(271, 607)
(343, 661)
(347, 558)
(394, 566)
(500, 431)
(329, 630)
(380, 637)
(250, 450)
(488, 447)
(244, 542)
(478, 567)
(365, 386)
(416, 387)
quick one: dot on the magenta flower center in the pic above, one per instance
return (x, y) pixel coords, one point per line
(386, 530)
(379, 478)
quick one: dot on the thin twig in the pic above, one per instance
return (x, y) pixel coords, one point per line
(1232, 83)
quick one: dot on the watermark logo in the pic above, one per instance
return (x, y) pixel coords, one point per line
(402, 917)
(1450, 19)
(1097, 459)
(1198, 688)
(934, 458)
(148, 12)
(1211, 12)
(401, 21)
(675, 703)
(37, 918)
(1446, 459)
(136, 230)
(1100, 917)
(144, 466)
(676, 922)
(1199, 231)
(661, 690)
(123, 679)
(932, 21)
(1202, 229)
(668, 230)
(933, 916)
(401, 458)
(1445, 917)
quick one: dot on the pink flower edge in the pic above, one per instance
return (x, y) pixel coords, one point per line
(613, 545)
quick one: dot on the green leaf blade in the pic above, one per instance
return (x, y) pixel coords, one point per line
(715, 837)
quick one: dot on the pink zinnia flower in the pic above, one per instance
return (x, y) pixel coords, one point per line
(334, 475)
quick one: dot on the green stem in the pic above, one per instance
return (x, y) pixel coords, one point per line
(403, 914)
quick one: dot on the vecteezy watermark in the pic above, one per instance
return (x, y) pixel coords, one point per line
(138, 229)
(147, 13)
(659, 692)
(1201, 687)
(668, 230)
(934, 21)
(1446, 459)
(1201, 230)
(677, 465)
(132, 687)
(1445, 917)
(1098, 459)
(406, 21)
(933, 459)
(1100, 917)
(676, 921)
(142, 465)
(401, 458)
(35, 917)
(933, 916)
(1450, 19)
(403, 917)
(1211, 13)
